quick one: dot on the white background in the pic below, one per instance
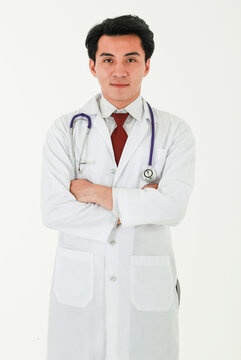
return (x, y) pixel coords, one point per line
(195, 74)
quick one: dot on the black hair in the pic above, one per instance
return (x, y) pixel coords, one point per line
(121, 25)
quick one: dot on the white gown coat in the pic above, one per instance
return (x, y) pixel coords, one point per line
(114, 293)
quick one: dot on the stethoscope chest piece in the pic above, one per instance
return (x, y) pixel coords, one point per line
(149, 174)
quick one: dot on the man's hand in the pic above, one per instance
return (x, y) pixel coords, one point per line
(82, 189)
(154, 185)
(85, 191)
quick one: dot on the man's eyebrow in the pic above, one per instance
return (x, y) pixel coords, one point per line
(128, 54)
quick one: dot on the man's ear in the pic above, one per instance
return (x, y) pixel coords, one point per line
(92, 67)
(147, 67)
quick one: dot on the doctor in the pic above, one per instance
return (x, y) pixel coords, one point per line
(115, 293)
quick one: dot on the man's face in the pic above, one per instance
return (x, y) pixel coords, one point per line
(120, 67)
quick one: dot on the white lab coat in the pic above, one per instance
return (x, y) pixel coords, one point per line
(113, 293)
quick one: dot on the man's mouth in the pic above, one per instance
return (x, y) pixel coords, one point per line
(119, 85)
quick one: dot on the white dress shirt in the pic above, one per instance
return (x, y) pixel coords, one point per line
(135, 110)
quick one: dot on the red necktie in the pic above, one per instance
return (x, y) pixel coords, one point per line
(119, 136)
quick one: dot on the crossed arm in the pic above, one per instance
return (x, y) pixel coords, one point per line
(85, 191)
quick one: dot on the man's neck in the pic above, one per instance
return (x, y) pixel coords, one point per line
(120, 104)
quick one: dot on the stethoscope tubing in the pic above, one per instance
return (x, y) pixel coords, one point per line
(152, 134)
(81, 115)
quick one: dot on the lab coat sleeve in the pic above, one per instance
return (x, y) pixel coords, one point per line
(115, 202)
(167, 204)
(59, 207)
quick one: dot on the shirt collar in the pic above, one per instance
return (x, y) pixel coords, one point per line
(135, 108)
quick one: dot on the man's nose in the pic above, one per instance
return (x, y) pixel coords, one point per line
(119, 70)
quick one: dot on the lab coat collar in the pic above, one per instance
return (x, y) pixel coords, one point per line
(92, 108)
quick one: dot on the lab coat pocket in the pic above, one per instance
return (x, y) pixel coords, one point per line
(73, 279)
(151, 283)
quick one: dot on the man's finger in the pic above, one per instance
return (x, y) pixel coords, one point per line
(155, 185)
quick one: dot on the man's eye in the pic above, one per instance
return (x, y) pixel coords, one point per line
(131, 59)
(107, 60)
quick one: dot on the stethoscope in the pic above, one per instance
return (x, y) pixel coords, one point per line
(149, 174)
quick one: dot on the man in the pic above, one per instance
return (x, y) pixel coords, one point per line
(115, 293)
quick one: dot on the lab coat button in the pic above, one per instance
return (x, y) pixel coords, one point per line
(113, 278)
(112, 171)
(112, 242)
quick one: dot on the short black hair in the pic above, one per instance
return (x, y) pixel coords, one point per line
(121, 25)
